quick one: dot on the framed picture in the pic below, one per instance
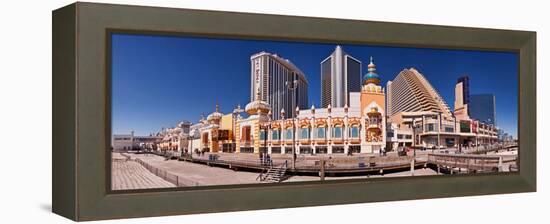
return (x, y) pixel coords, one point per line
(201, 111)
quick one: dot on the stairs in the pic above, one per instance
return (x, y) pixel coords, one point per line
(274, 174)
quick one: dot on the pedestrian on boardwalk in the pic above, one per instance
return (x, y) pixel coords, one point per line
(261, 158)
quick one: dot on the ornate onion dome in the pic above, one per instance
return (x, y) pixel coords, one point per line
(257, 106)
(373, 112)
(371, 76)
(216, 115)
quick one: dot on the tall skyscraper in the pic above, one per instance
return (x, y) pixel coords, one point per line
(340, 75)
(482, 108)
(270, 73)
(462, 98)
(410, 91)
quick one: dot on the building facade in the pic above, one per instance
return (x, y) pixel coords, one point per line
(271, 73)
(340, 75)
(355, 128)
(416, 107)
(130, 141)
(462, 98)
(175, 139)
(410, 91)
(483, 108)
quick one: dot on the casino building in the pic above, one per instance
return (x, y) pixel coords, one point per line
(417, 110)
(357, 128)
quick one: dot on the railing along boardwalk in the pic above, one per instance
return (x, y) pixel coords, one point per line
(492, 148)
(469, 162)
(307, 163)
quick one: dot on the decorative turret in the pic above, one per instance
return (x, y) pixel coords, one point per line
(371, 76)
(257, 106)
(238, 109)
(202, 120)
(283, 113)
(373, 112)
(216, 116)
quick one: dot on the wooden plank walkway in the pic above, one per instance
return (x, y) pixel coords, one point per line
(127, 175)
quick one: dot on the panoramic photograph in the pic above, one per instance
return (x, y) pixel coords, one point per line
(198, 111)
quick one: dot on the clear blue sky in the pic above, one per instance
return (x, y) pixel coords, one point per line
(160, 80)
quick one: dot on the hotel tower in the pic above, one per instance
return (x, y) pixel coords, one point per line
(340, 75)
(270, 74)
(411, 92)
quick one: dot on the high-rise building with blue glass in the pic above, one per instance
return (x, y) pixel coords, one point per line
(482, 107)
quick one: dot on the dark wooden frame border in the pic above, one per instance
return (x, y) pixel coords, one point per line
(81, 125)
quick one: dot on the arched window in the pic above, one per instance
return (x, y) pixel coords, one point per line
(275, 134)
(337, 132)
(304, 133)
(354, 131)
(321, 132)
(288, 134)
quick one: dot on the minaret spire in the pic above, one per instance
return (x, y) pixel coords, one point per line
(372, 66)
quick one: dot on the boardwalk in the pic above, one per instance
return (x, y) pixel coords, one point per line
(129, 174)
(201, 175)
(470, 162)
(198, 174)
(310, 164)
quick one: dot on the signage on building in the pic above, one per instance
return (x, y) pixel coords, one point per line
(223, 135)
(257, 75)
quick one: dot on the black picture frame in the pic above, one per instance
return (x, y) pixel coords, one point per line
(81, 111)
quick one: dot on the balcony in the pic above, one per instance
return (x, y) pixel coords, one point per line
(374, 126)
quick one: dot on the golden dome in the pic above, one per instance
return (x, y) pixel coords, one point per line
(373, 112)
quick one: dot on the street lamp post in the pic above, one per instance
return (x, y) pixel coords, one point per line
(292, 87)
(414, 138)
(439, 131)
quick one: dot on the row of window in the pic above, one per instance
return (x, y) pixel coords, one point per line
(304, 133)
(401, 136)
(305, 150)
